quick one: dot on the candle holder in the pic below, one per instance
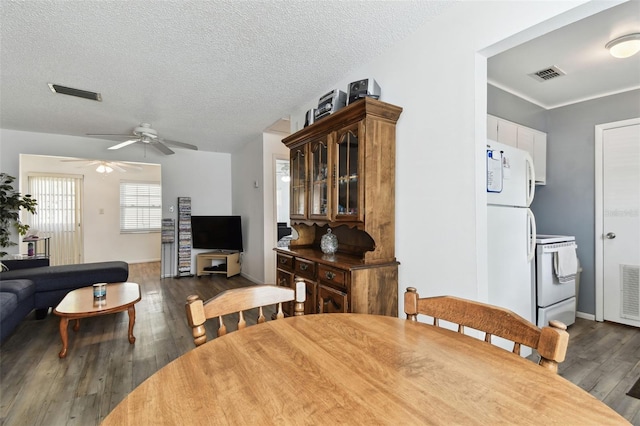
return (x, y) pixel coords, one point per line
(99, 291)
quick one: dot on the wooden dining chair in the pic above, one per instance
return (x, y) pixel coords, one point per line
(238, 300)
(551, 342)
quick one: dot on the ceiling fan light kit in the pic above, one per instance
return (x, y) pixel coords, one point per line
(625, 46)
(104, 169)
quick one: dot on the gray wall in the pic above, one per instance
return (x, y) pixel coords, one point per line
(510, 107)
(566, 204)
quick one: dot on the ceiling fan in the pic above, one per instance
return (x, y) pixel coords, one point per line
(106, 166)
(146, 135)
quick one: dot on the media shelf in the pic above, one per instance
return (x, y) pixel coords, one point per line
(230, 267)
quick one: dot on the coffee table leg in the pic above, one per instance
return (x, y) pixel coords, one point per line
(132, 320)
(64, 322)
(76, 326)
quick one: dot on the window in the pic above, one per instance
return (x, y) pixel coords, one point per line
(140, 207)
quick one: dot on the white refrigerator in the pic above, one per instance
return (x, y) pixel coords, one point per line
(511, 229)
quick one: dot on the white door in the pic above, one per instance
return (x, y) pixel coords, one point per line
(620, 235)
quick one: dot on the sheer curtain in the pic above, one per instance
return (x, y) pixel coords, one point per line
(58, 215)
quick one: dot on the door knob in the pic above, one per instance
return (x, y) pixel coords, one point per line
(611, 236)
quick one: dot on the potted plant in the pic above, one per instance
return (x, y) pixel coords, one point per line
(11, 202)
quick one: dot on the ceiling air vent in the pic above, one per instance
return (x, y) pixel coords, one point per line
(547, 74)
(56, 88)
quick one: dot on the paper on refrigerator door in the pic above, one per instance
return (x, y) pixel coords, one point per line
(494, 170)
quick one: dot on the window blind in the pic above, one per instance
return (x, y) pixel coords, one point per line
(140, 207)
(59, 213)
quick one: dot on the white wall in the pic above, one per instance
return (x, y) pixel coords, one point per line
(248, 187)
(203, 176)
(439, 77)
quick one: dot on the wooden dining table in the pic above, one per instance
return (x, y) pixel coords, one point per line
(356, 369)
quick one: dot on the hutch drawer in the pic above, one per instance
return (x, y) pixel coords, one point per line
(333, 276)
(285, 262)
(305, 268)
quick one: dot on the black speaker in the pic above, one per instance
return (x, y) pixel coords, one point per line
(363, 88)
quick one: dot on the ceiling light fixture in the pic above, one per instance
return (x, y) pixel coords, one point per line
(625, 46)
(103, 168)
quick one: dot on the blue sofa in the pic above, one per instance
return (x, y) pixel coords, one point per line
(24, 290)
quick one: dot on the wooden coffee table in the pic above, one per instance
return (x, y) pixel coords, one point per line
(80, 304)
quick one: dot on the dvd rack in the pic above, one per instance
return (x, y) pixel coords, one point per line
(168, 250)
(184, 237)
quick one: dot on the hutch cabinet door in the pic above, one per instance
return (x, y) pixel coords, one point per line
(312, 295)
(331, 300)
(299, 183)
(349, 158)
(320, 168)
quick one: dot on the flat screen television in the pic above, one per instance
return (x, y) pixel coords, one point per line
(216, 232)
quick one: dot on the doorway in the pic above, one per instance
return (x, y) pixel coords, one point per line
(618, 222)
(100, 236)
(282, 198)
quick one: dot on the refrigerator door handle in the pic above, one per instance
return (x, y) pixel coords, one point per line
(531, 233)
(531, 179)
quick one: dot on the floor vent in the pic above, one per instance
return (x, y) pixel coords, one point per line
(56, 88)
(630, 303)
(547, 74)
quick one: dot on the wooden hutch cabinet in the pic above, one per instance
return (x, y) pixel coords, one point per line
(343, 178)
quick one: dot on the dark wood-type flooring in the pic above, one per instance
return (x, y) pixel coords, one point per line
(101, 368)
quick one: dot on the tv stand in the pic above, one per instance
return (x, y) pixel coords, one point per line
(231, 267)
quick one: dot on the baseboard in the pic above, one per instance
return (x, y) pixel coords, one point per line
(586, 316)
(142, 261)
(250, 278)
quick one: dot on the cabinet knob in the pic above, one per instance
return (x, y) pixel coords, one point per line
(304, 267)
(330, 275)
(283, 260)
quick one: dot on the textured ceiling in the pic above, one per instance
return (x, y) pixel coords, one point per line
(211, 73)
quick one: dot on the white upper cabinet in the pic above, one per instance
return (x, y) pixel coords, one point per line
(530, 140)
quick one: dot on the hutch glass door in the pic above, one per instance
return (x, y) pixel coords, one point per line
(298, 183)
(348, 182)
(320, 207)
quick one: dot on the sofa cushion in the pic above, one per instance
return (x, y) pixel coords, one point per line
(8, 304)
(61, 277)
(23, 289)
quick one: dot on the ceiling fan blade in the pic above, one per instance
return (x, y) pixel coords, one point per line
(116, 167)
(123, 144)
(179, 144)
(110, 134)
(79, 160)
(112, 137)
(162, 148)
(126, 165)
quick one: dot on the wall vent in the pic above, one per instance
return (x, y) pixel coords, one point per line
(56, 88)
(630, 295)
(547, 74)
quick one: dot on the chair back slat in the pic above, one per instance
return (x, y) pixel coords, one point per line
(237, 301)
(550, 342)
